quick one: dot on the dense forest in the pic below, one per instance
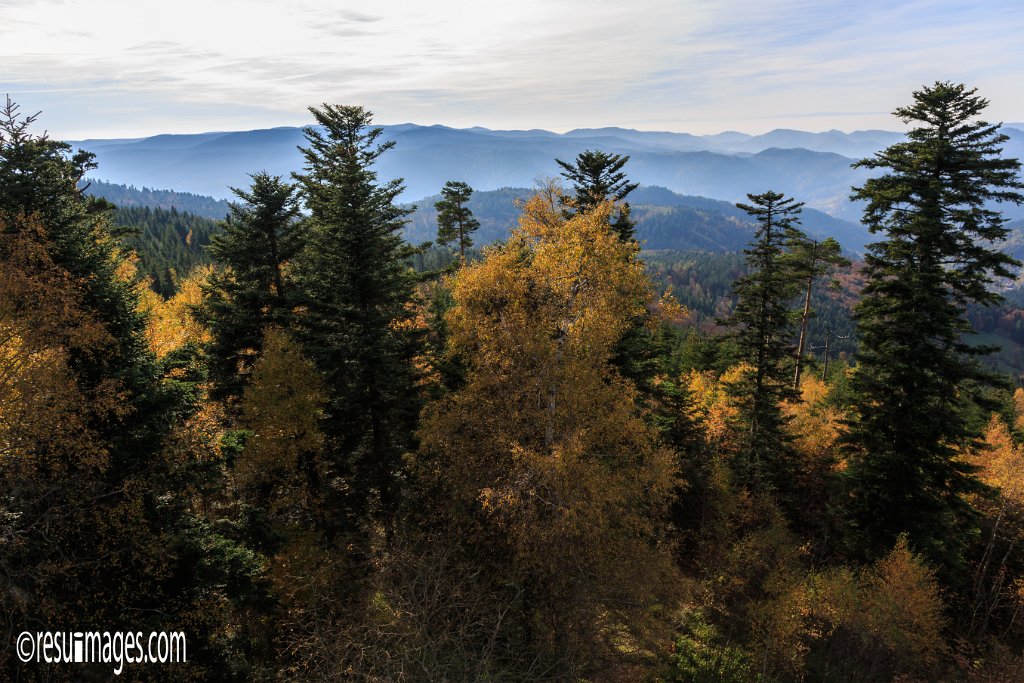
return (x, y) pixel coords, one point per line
(324, 452)
(129, 197)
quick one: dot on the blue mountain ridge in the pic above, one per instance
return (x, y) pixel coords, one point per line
(812, 167)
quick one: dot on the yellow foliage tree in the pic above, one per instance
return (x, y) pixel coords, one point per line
(815, 428)
(1000, 463)
(544, 443)
(171, 323)
(881, 623)
(282, 407)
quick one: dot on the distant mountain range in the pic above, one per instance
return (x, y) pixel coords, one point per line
(812, 167)
(665, 220)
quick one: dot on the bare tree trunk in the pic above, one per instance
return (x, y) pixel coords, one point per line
(803, 334)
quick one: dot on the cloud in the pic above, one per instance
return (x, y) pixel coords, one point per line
(697, 65)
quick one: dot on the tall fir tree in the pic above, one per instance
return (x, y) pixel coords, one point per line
(252, 290)
(597, 177)
(455, 220)
(764, 324)
(916, 373)
(357, 324)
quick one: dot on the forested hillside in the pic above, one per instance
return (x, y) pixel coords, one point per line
(129, 197)
(665, 220)
(533, 451)
(169, 244)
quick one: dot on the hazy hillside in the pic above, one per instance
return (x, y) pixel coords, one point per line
(665, 220)
(813, 167)
(127, 196)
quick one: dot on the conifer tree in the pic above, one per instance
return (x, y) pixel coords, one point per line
(356, 323)
(455, 221)
(915, 374)
(764, 324)
(97, 534)
(597, 177)
(261, 235)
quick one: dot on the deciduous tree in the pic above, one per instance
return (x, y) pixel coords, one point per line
(545, 447)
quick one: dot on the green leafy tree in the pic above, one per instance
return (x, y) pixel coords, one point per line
(916, 373)
(764, 325)
(813, 260)
(597, 177)
(356, 325)
(262, 234)
(455, 221)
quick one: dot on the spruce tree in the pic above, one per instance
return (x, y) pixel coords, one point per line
(764, 324)
(597, 177)
(915, 370)
(261, 235)
(455, 221)
(356, 326)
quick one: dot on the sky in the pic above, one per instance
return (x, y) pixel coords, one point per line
(130, 68)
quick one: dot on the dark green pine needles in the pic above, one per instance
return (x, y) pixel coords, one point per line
(916, 374)
(356, 288)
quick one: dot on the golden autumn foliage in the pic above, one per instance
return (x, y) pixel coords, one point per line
(814, 425)
(170, 322)
(545, 440)
(1001, 463)
(714, 407)
(995, 583)
(282, 407)
(43, 411)
(881, 622)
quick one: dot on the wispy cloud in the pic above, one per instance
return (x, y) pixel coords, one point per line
(697, 65)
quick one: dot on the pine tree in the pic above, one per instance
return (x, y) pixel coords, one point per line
(764, 324)
(455, 221)
(915, 370)
(356, 324)
(597, 177)
(261, 235)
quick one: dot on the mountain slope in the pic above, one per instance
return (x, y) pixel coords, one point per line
(665, 220)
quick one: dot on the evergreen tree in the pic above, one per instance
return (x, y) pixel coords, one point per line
(764, 325)
(598, 176)
(261, 235)
(97, 534)
(356, 324)
(455, 221)
(915, 370)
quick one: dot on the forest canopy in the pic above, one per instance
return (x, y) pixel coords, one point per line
(325, 453)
